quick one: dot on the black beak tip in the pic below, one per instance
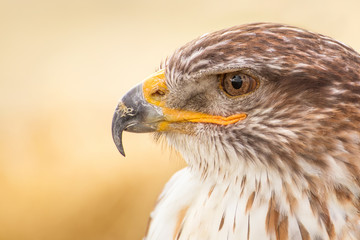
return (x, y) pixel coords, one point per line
(118, 143)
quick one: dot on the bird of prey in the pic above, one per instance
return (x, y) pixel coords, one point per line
(267, 117)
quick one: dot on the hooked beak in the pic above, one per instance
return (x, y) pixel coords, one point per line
(143, 109)
(134, 114)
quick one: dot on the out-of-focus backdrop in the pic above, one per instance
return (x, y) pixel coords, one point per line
(63, 66)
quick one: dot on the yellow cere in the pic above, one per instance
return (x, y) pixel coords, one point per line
(153, 84)
(156, 82)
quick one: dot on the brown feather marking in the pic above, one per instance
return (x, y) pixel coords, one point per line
(179, 234)
(282, 229)
(357, 206)
(321, 209)
(329, 225)
(222, 222)
(304, 233)
(250, 202)
(243, 181)
(179, 222)
(226, 190)
(234, 224)
(259, 186)
(272, 216)
(343, 194)
(204, 172)
(290, 197)
(211, 190)
(241, 193)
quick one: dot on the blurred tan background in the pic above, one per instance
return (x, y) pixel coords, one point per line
(63, 66)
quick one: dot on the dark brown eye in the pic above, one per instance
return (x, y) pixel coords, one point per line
(237, 83)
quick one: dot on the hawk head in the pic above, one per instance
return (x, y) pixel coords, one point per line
(261, 97)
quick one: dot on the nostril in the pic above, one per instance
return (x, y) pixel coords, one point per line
(158, 94)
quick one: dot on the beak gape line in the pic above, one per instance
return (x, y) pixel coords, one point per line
(139, 111)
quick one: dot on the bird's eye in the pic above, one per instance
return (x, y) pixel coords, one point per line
(237, 83)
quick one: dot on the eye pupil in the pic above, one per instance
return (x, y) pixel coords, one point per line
(236, 81)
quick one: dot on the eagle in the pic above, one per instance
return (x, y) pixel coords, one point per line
(267, 118)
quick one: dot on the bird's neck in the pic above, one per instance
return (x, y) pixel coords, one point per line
(210, 160)
(227, 177)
